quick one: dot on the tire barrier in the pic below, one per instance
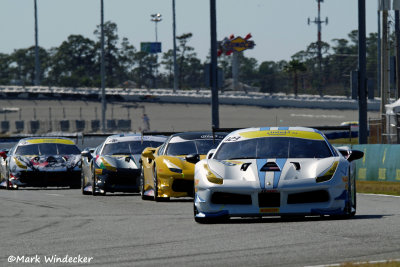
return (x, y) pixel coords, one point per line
(5, 127)
(95, 125)
(34, 126)
(19, 126)
(64, 126)
(380, 163)
(124, 125)
(80, 125)
(111, 125)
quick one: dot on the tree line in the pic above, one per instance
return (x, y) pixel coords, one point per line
(76, 63)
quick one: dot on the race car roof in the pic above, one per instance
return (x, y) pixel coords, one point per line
(133, 137)
(200, 135)
(44, 140)
(295, 132)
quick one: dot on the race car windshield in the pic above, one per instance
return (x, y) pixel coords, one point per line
(47, 149)
(201, 147)
(128, 147)
(273, 147)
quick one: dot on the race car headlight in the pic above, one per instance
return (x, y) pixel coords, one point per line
(105, 165)
(211, 177)
(327, 175)
(20, 164)
(172, 167)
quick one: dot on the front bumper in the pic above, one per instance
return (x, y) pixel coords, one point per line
(243, 199)
(46, 179)
(123, 180)
(175, 186)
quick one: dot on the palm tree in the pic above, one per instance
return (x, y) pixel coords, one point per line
(295, 66)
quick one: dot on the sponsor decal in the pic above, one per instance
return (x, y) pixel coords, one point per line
(283, 133)
(49, 140)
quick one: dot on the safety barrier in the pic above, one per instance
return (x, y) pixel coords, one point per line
(80, 125)
(380, 163)
(65, 126)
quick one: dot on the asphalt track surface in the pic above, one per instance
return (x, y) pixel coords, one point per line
(123, 230)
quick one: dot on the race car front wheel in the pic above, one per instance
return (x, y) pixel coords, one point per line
(219, 219)
(8, 187)
(351, 201)
(141, 184)
(155, 179)
(83, 185)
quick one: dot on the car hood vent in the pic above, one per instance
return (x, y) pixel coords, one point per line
(270, 167)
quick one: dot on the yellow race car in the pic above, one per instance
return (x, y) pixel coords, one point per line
(168, 171)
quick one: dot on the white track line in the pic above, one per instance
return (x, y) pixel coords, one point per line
(355, 263)
(381, 195)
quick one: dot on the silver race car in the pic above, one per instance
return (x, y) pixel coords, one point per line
(114, 165)
(275, 171)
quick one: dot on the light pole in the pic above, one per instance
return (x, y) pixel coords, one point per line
(37, 61)
(214, 73)
(102, 72)
(362, 82)
(174, 42)
(156, 18)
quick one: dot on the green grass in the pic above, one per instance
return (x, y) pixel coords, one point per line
(373, 187)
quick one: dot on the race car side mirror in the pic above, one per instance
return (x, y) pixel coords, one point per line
(210, 153)
(193, 158)
(86, 154)
(355, 154)
(148, 152)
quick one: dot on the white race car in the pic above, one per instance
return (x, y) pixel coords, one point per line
(275, 171)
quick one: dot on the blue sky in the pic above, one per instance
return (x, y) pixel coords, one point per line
(279, 27)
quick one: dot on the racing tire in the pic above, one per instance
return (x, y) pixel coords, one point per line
(351, 204)
(8, 187)
(155, 180)
(353, 212)
(141, 185)
(83, 185)
(93, 183)
(204, 220)
(8, 184)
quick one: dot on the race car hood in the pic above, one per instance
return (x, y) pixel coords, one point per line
(47, 162)
(120, 161)
(281, 169)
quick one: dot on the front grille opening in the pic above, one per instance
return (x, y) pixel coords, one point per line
(308, 197)
(230, 198)
(180, 185)
(269, 200)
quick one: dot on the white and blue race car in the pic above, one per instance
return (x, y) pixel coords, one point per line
(275, 171)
